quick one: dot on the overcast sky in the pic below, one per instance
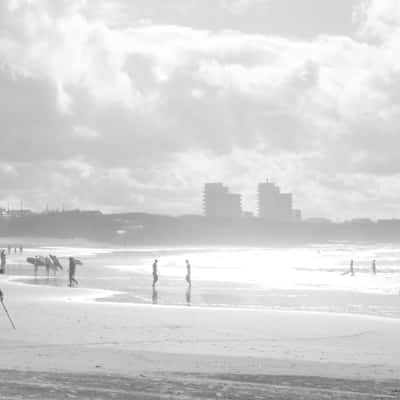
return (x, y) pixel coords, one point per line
(132, 105)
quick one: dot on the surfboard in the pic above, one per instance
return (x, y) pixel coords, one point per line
(38, 261)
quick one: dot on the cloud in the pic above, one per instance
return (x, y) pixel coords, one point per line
(137, 116)
(378, 18)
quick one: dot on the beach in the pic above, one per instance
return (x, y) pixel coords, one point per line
(87, 342)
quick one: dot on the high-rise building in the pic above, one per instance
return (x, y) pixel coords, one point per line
(219, 202)
(274, 205)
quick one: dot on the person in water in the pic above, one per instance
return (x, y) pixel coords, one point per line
(155, 272)
(352, 268)
(72, 270)
(374, 267)
(188, 277)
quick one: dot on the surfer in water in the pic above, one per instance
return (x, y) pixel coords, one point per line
(351, 270)
(155, 272)
(188, 277)
(72, 270)
(374, 267)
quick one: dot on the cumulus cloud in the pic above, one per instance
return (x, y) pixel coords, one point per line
(99, 112)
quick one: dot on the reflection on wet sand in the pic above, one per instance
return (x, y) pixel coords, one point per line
(189, 296)
(154, 297)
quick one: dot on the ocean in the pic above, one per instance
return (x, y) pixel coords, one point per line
(308, 278)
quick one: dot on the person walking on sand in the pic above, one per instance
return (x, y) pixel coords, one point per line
(3, 262)
(374, 267)
(155, 272)
(71, 271)
(188, 277)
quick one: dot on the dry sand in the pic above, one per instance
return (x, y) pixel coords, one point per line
(68, 345)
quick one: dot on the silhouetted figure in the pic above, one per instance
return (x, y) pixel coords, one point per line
(3, 262)
(154, 297)
(374, 267)
(21, 249)
(189, 296)
(352, 268)
(71, 271)
(36, 264)
(188, 277)
(9, 249)
(155, 273)
(48, 265)
(15, 250)
(56, 263)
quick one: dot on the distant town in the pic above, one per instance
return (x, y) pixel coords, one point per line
(221, 221)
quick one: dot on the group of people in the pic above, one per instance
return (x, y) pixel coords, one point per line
(3, 256)
(188, 279)
(352, 272)
(188, 276)
(52, 262)
(20, 247)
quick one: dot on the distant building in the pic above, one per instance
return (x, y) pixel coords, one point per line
(219, 202)
(297, 216)
(274, 205)
(18, 213)
(318, 220)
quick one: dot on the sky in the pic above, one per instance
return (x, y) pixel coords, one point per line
(132, 106)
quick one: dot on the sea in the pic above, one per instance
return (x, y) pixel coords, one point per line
(309, 278)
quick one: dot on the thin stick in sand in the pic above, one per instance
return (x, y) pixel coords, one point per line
(8, 315)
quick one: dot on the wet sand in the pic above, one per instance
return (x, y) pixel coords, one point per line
(69, 345)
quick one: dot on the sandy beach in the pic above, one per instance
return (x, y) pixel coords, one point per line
(234, 340)
(144, 351)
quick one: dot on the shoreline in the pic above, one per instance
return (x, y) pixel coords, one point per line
(103, 296)
(52, 319)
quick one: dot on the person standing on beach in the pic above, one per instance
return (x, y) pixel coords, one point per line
(155, 272)
(188, 273)
(3, 262)
(71, 272)
(9, 249)
(352, 268)
(374, 267)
